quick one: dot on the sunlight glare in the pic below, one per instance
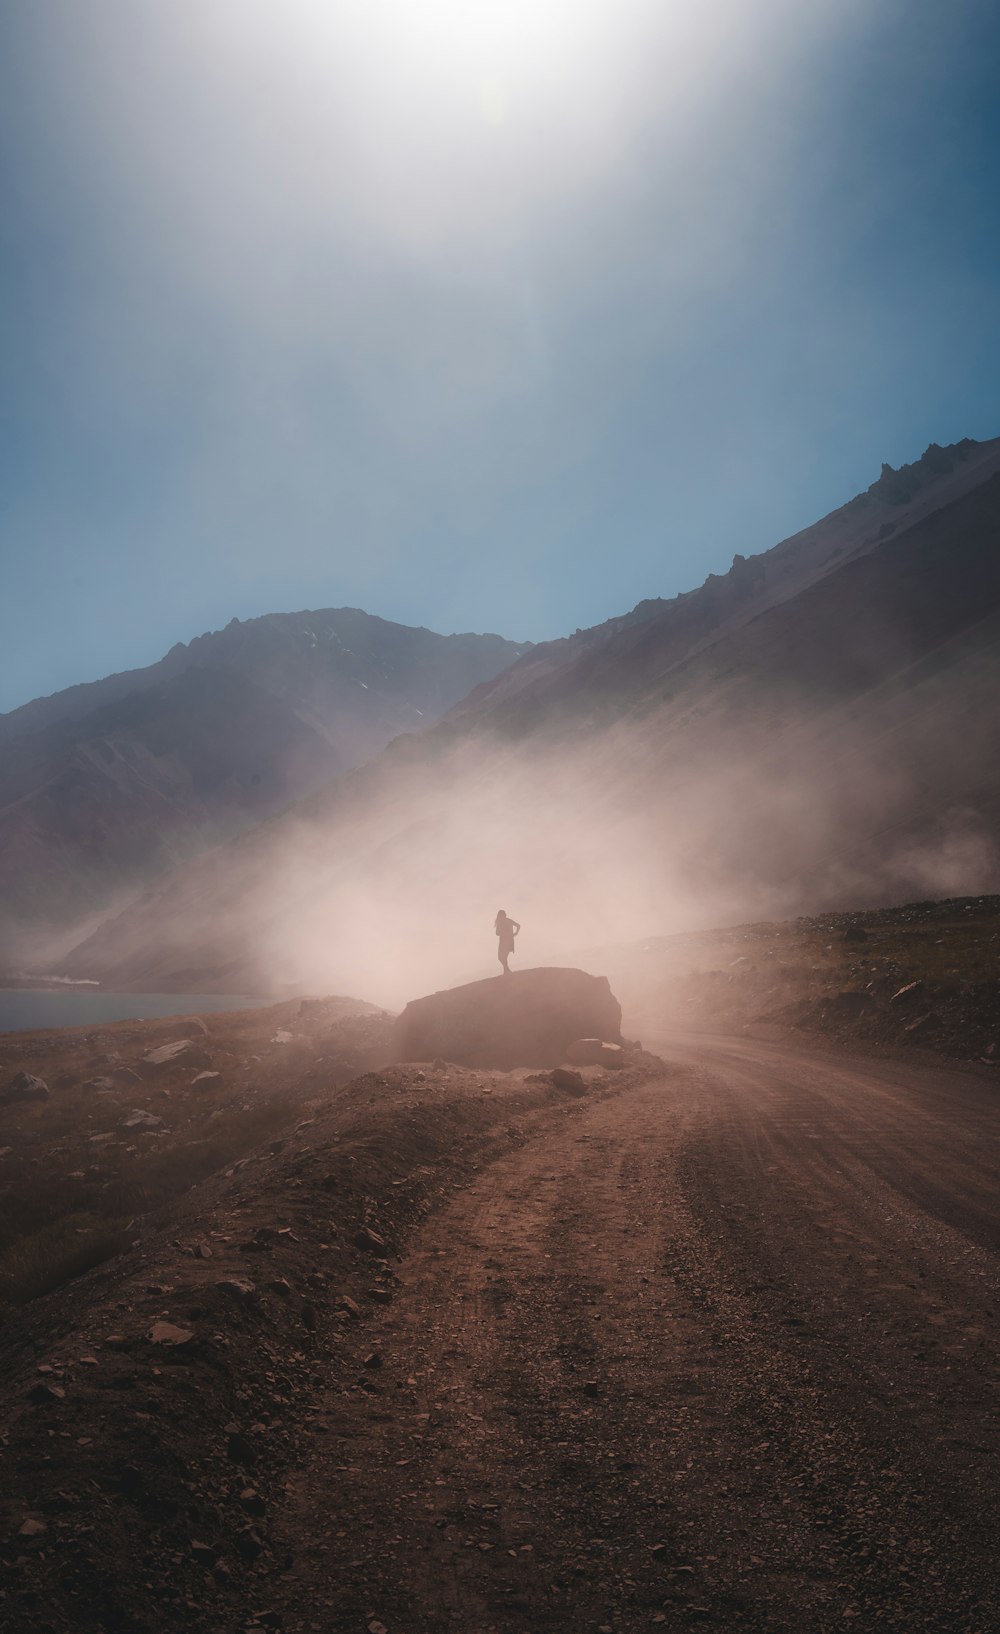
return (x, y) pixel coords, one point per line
(492, 51)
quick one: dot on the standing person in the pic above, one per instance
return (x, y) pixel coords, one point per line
(506, 929)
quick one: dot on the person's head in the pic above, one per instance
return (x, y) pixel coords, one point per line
(501, 916)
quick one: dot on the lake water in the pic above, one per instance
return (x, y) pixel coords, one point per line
(27, 1009)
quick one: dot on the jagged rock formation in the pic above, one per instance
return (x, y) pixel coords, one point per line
(526, 1019)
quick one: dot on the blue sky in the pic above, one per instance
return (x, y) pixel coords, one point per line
(477, 315)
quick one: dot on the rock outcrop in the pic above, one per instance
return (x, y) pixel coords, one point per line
(180, 1052)
(526, 1019)
(24, 1086)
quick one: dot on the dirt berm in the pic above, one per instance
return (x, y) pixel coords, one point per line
(156, 1410)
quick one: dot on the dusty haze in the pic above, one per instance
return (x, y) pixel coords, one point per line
(765, 747)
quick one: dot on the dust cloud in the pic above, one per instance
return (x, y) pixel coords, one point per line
(602, 841)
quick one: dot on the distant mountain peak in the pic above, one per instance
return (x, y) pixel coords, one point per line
(896, 487)
(107, 784)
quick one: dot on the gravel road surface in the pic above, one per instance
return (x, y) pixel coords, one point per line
(718, 1352)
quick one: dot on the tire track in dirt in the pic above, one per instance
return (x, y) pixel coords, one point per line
(675, 1363)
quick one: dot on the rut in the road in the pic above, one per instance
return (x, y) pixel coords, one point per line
(598, 1404)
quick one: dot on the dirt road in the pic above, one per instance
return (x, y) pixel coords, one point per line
(717, 1352)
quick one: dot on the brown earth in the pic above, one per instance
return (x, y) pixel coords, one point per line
(711, 1345)
(718, 1352)
(156, 1409)
(118, 1136)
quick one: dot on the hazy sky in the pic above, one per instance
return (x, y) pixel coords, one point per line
(479, 314)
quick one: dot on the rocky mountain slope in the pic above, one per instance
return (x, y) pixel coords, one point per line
(615, 657)
(817, 728)
(105, 786)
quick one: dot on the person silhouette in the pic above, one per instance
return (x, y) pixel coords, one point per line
(506, 929)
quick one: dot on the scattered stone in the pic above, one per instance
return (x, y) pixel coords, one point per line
(252, 1502)
(930, 1023)
(137, 1119)
(24, 1086)
(182, 1052)
(908, 994)
(237, 1288)
(369, 1240)
(566, 1078)
(249, 1544)
(205, 1080)
(382, 1296)
(41, 1393)
(595, 1052)
(203, 1552)
(346, 1303)
(32, 1527)
(307, 1316)
(168, 1333)
(372, 1360)
(281, 1287)
(592, 1388)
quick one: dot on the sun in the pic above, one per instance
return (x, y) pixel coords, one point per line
(498, 53)
(493, 38)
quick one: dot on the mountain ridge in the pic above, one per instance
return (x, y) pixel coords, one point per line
(107, 785)
(895, 500)
(836, 743)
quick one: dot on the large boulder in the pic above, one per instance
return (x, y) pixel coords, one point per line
(180, 1052)
(526, 1019)
(24, 1086)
